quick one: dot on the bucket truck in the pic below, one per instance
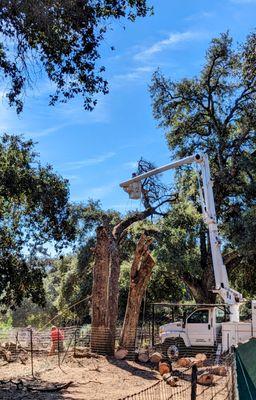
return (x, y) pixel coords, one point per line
(207, 327)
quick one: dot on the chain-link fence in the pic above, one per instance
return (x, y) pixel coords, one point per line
(161, 391)
(35, 351)
(25, 352)
(219, 385)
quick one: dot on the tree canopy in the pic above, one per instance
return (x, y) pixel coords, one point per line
(34, 211)
(61, 37)
(215, 113)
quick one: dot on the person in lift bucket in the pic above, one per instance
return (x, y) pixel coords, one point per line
(57, 338)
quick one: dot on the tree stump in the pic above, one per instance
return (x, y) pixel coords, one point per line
(121, 354)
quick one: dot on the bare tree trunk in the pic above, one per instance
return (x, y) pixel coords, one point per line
(113, 291)
(100, 336)
(105, 293)
(105, 290)
(141, 270)
(200, 288)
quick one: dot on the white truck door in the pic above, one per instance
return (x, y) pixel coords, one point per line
(199, 328)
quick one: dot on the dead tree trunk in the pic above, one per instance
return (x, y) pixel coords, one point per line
(141, 269)
(100, 335)
(105, 292)
(113, 291)
(105, 288)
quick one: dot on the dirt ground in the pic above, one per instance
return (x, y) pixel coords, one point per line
(93, 379)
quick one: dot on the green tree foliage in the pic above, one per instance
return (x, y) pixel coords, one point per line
(62, 37)
(73, 301)
(178, 248)
(215, 113)
(34, 210)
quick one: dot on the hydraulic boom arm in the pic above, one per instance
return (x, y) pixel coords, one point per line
(133, 187)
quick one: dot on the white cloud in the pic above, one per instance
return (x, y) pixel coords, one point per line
(136, 74)
(74, 179)
(172, 40)
(48, 120)
(98, 192)
(73, 165)
(74, 112)
(130, 165)
(45, 132)
(200, 15)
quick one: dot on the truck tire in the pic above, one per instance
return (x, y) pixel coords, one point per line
(173, 348)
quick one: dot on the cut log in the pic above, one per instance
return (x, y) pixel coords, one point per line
(197, 362)
(164, 368)
(156, 357)
(121, 354)
(201, 356)
(167, 376)
(23, 356)
(218, 370)
(205, 379)
(11, 346)
(5, 354)
(143, 357)
(172, 381)
(183, 362)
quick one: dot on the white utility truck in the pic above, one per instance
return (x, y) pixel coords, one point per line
(204, 327)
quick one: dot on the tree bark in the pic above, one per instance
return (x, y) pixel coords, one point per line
(199, 289)
(105, 290)
(113, 291)
(100, 336)
(141, 269)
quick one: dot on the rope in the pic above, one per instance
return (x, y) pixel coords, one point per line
(60, 312)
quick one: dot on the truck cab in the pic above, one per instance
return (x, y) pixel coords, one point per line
(201, 330)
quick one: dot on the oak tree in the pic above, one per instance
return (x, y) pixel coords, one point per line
(62, 39)
(215, 113)
(34, 211)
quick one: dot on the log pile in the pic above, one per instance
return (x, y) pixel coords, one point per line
(182, 367)
(10, 351)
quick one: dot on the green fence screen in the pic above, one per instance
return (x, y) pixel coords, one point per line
(246, 370)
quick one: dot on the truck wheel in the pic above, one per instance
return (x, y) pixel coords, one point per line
(172, 348)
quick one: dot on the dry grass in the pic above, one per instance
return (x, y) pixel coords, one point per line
(93, 379)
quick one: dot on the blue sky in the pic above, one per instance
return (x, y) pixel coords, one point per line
(97, 150)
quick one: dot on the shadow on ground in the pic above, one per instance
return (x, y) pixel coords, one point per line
(134, 369)
(12, 391)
